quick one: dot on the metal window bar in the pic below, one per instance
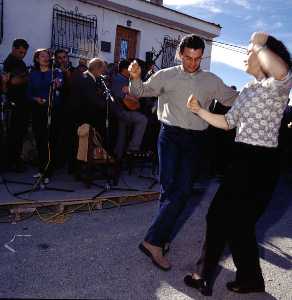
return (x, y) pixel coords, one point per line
(168, 52)
(74, 32)
(1, 20)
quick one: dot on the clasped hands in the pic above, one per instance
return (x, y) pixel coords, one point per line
(257, 41)
(193, 104)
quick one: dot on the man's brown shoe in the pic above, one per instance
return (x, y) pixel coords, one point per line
(156, 260)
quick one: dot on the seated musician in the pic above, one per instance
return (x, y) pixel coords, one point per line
(88, 103)
(131, 116)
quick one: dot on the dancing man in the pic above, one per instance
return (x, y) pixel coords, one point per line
(180, 140)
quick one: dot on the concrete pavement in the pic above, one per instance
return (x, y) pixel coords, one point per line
(95, 255)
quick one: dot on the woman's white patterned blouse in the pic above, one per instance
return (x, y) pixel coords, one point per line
(258, 111)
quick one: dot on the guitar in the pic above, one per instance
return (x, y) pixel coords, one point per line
(131, 102)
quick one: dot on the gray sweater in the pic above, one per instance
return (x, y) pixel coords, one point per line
(173, 86)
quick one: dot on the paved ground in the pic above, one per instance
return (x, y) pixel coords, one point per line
(95, 255)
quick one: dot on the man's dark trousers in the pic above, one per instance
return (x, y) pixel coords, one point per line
(17, 130)
(179, 152)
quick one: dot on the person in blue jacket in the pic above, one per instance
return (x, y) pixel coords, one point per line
(43, 91)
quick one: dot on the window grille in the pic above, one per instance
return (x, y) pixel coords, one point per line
(168, 52)
(74, 32)
(1, 20)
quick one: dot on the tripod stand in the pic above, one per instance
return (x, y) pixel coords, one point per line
(108, 187)
(43, 119)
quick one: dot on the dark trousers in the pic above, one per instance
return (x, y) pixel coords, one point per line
(179, 151)
(17, 129)
(69, 136)
(47, 139)
(238, 204)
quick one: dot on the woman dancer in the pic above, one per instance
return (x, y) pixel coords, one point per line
(249, 182)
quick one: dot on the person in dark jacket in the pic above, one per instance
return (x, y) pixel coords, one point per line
(16, 93)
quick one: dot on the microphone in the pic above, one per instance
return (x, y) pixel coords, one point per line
(107, 91)
(3, 102)
(104, 77)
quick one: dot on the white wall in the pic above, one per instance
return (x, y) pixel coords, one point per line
(150, 35)
(32, 20)
(29, 19)
(170, 15)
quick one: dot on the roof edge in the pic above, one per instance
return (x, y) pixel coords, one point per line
(153, 18)
(181, 13)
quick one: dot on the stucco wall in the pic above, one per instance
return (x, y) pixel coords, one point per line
(170, 15)
(32, 20)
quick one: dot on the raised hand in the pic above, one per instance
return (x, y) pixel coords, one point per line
(259, 38)
(193, 104)
(134, 70)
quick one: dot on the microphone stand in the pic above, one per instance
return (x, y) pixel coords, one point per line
(108, 186)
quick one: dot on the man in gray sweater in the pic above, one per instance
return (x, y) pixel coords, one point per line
(181, 138)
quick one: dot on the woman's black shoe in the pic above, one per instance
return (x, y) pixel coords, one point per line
(244, 288)
(200, 284)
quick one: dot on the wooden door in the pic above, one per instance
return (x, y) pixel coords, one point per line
(126, 43)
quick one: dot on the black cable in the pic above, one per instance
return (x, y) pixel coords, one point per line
(227, 44)
(230, 49)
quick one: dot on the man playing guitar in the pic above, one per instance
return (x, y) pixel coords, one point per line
(132, 117)
(130, 102)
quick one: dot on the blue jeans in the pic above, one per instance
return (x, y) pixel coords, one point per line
(179, 152)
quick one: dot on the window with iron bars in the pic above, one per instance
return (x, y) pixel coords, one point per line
(1, 20)
(169, 48)
(74, 32)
